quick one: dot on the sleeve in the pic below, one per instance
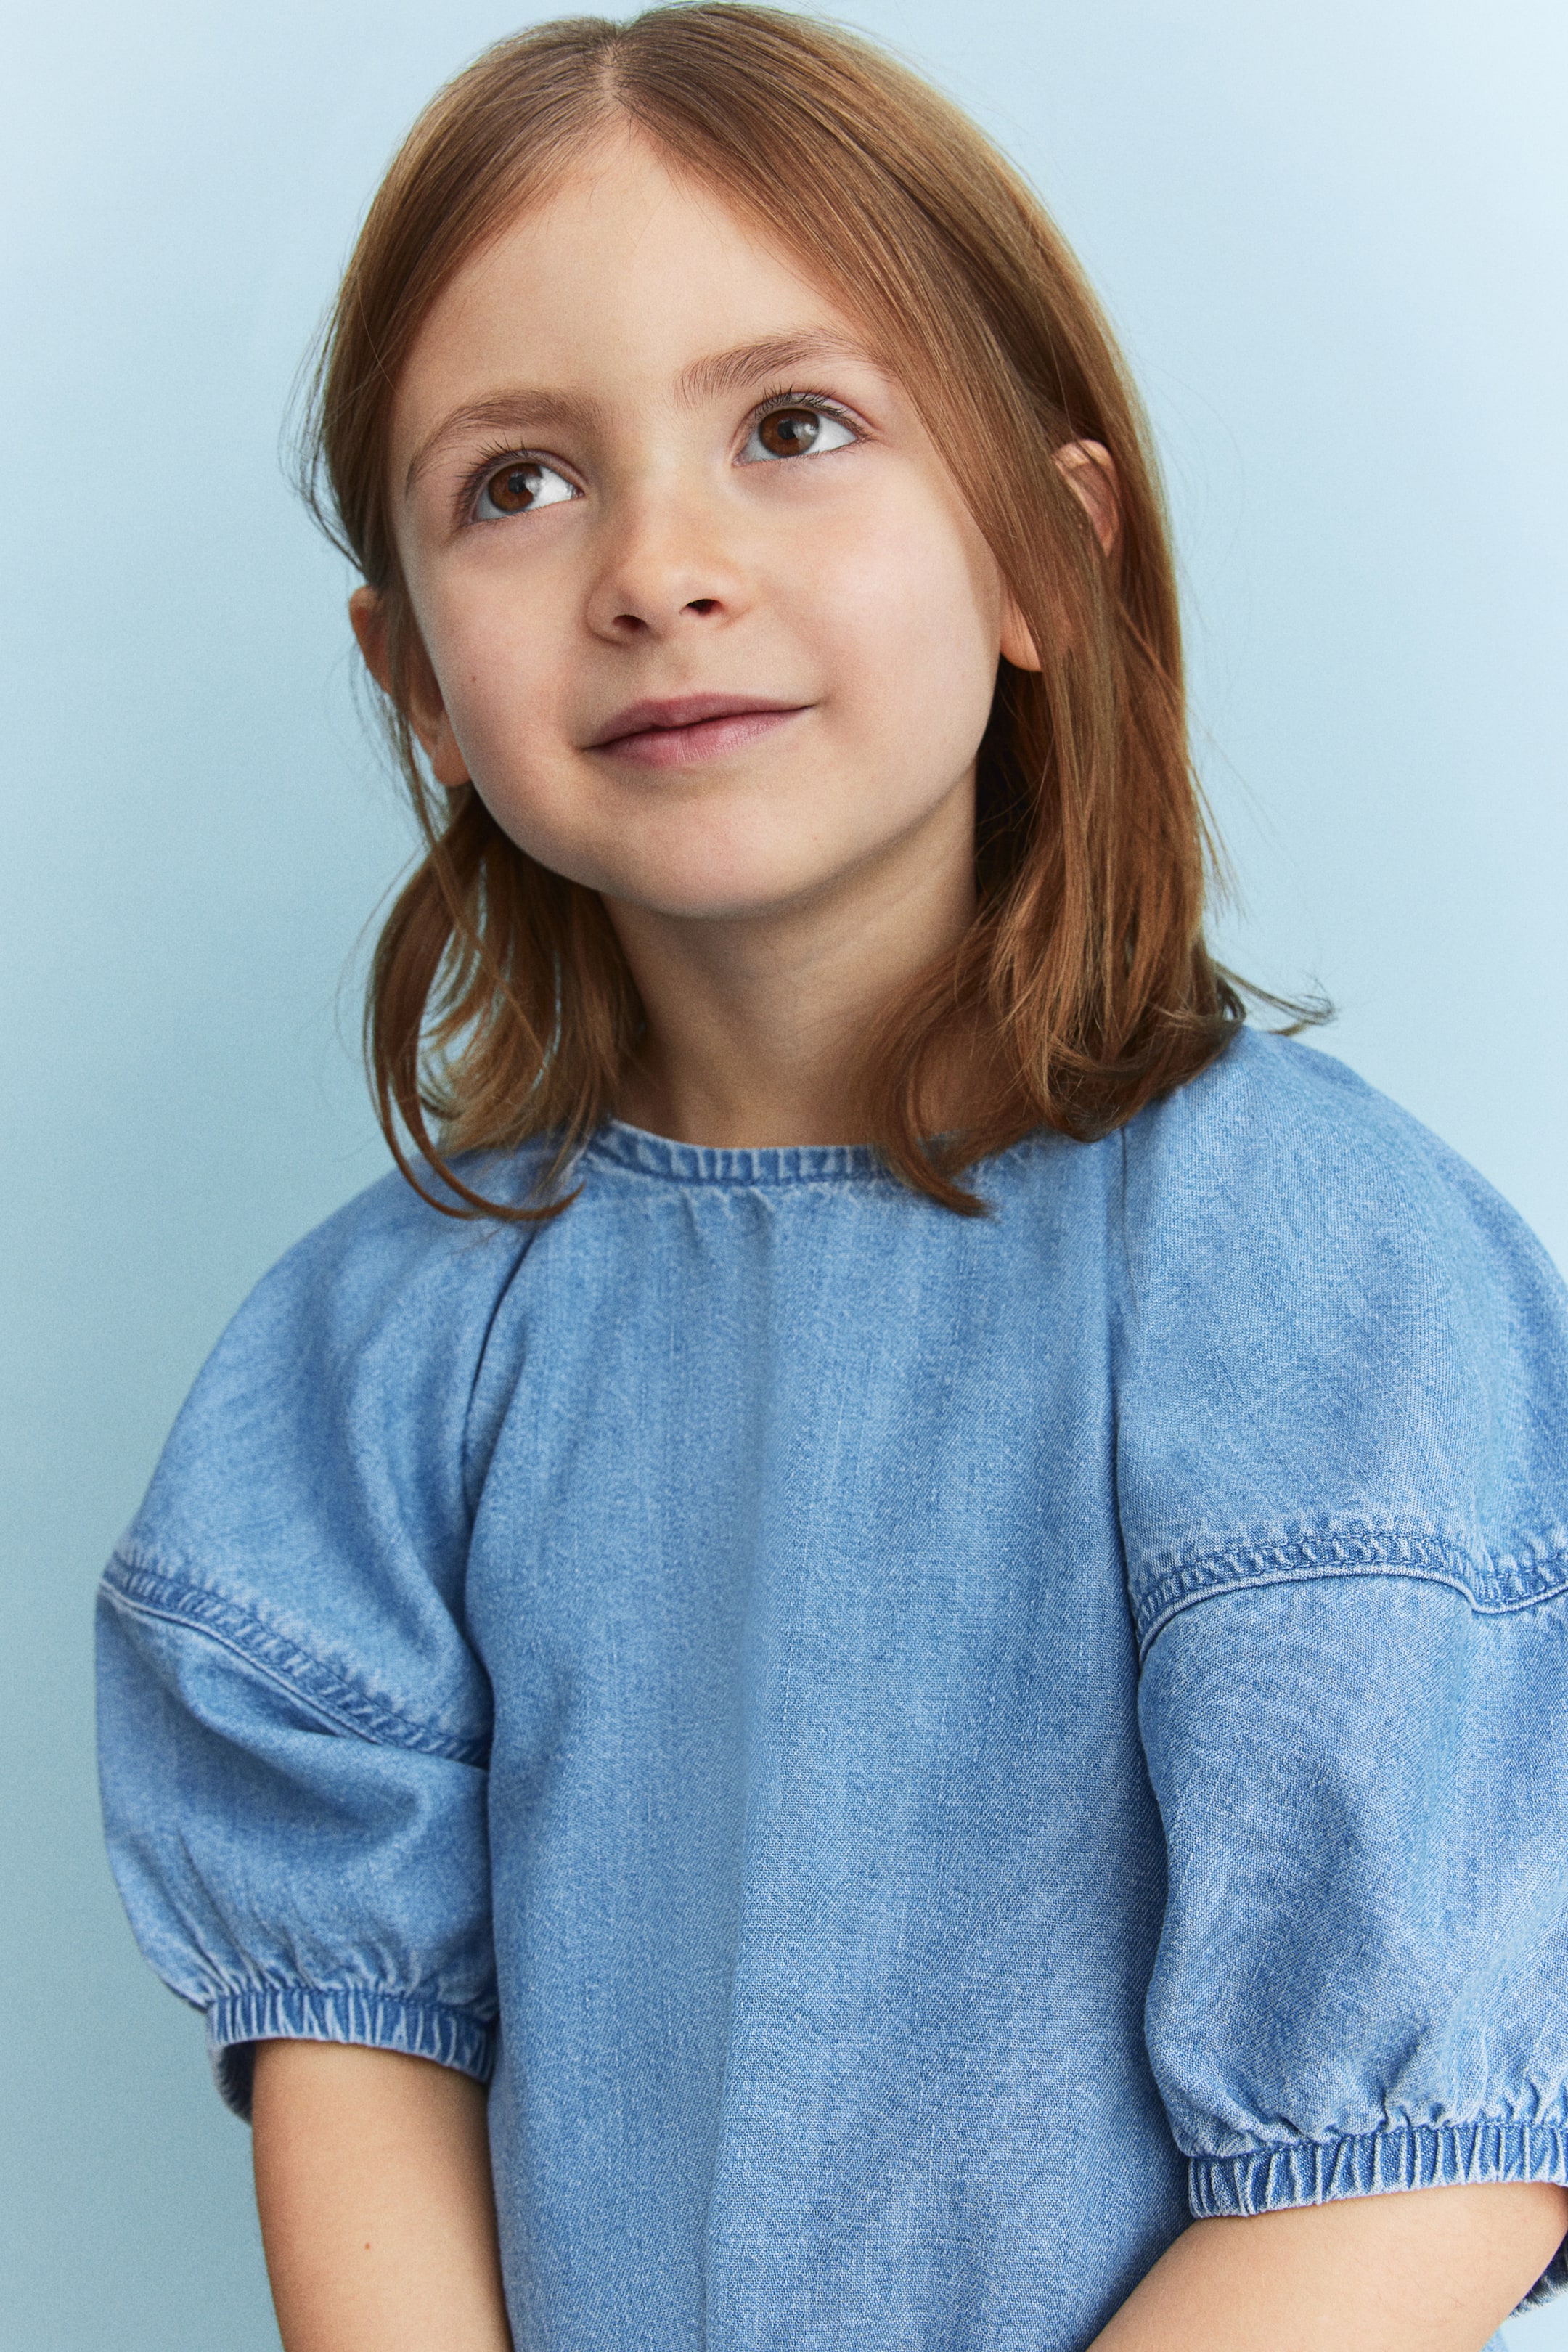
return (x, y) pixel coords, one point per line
(293, 1729)
(1343, 1467)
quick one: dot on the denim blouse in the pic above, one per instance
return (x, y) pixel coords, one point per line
(915, 1752)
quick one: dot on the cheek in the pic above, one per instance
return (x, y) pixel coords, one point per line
(499, 661)
(505, 661)
(908, 612)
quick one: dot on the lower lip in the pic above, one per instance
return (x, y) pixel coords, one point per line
(688, 747)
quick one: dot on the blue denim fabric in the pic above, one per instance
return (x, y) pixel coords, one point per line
(920, 1750)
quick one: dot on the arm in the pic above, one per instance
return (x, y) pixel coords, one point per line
(372, 2181)
(1428, 2270)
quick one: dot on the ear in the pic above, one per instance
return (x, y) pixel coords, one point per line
(1017, 646)
(427, 713)
(1089, 470)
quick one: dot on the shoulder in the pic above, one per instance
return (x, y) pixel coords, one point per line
(1279, 1154)
(389, 1253)
(1338, 1343)
(389, 1292)
(348, 1370)
(1278, 1117)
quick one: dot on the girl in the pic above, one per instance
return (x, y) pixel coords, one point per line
(913, 1590)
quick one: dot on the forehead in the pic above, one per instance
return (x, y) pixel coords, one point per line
(626, 271)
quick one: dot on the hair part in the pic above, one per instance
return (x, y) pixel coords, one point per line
(500, 1006)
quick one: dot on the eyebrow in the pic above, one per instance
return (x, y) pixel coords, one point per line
(709, 379)
(706, 378)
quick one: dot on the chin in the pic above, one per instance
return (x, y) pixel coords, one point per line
(698, 904)
(703, 889)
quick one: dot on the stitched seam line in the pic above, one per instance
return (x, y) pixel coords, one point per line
(1407, 2156)
(788, 1180)
(1490, 1587)
(142, 1593)
(327, 2012)
(358, 2014)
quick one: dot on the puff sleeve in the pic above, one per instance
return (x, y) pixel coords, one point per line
(293, 1726)
(1343, 1475)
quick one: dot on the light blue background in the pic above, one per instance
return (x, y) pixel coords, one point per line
(1331, 240)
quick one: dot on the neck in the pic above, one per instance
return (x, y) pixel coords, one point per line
(756, 1023)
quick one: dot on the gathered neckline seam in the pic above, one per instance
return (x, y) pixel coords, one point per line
(667, 1159)
(673, 1171)
(637, 1152)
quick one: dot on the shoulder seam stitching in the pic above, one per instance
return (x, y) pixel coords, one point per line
(144, 1592)
(1421, 1560)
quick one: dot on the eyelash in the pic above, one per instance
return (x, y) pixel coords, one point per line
(491, 462)
(770, 402)
(817, 401)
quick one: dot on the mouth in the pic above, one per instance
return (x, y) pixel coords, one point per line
(690, 727)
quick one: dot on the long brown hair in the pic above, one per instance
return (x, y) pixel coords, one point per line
(500, 1006)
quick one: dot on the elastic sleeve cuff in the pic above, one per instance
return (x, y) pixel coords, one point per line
(376, 2020)
(1411, 2156)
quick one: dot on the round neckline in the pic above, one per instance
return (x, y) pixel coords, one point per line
(639, 1148)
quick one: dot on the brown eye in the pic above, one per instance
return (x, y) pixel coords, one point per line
(796, 432)
(789, 432)
(513, 488)
(519, 487)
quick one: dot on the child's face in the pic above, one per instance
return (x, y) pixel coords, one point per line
(641, 467)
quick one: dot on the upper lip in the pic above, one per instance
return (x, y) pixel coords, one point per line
(684, 710)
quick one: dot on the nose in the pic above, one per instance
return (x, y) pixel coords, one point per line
(665, 568)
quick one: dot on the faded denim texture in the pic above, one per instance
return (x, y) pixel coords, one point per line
(920, 1750)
